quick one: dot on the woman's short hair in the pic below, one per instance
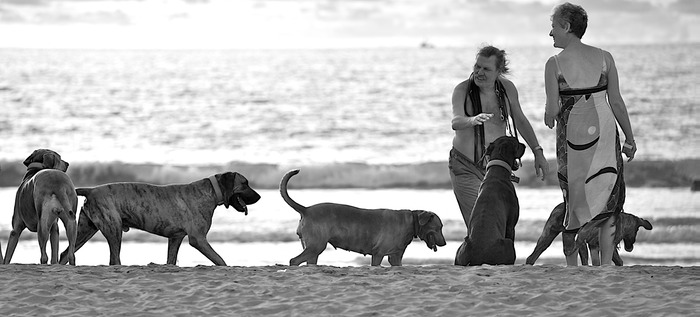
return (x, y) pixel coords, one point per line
(574, 14)
(501, 61)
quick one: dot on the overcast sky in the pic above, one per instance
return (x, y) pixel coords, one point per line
(331, 23)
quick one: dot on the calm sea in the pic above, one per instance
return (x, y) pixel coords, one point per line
(302, 106)
(361, 111)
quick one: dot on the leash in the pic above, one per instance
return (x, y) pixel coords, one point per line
(506, 107)
(217, 190)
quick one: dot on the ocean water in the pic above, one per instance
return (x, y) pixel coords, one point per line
(290, 107)
(267, 235)
(369, 127)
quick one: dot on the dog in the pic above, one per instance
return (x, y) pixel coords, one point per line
(171, 211)
(45, 195)
(496, 211)
(627, 226)
(378, 232)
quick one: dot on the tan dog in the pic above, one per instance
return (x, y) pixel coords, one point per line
(171, 211)
(378, 232)
(45, 195)
(496, 210)
(628, 225)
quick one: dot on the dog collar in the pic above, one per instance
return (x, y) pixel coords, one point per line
(416, 225)
(35, 165)
(505, 165)
(217, 190)
(499, 163)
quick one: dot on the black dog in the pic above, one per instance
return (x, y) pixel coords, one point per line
(496, 211)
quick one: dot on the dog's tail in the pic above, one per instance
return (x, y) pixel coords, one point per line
(53, 204)
(83, 191)
(283, 191)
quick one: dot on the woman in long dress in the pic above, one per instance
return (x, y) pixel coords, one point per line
(583, 96)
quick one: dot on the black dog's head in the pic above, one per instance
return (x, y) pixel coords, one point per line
(507, 149)
(236, 191)
(630, 225)
(430, 229)
(48, 160)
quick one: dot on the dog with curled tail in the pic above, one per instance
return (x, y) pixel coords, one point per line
(45, 195)
(378, 232)
(491, 234)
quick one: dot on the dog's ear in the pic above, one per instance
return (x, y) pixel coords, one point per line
(227, 182)
(520, 150)
(51, 160)
(30, 159)
(424, 218)
(489, 149)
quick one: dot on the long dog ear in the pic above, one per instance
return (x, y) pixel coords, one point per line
(30, 158)
(49, 160)
(520, 151)
(424, 218)
(489, 149)
(227, 182)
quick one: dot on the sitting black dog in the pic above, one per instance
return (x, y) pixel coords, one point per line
(496, 211)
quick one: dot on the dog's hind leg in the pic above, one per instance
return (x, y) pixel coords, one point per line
(568, 240)
(508, 247)
(595, 255)
(84, 231)
(616, 258)
(463, 256)
(173, 248)
(544, 241)
(205, 248)
(377, 259)
(43, 234)
(53, 237)
(113, 233)
(552, 228)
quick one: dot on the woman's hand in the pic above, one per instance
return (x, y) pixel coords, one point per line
(541, 164)
(549, 120)
(629, 149)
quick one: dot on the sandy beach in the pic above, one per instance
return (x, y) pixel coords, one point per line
(436, 290)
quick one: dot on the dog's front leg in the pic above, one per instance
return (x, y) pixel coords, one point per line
(595, 255)
(568, 240)
(16, 232)
(173, 248)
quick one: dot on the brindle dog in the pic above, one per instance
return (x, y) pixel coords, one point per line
(171, 211)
